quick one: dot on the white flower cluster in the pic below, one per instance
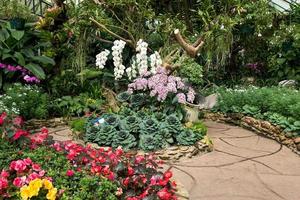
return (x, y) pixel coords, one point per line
(139, 64)
(141, 57)
(101, 58)
(12, 109)
(117, 50)
(155, 62)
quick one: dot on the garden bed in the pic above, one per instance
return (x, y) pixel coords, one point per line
(259, 126)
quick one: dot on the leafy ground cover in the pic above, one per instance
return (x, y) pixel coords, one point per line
(281, 106)
(148, 131)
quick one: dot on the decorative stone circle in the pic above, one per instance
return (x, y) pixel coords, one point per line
(259, 126)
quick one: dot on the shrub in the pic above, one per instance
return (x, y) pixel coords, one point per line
(25, 100)
(277, 105)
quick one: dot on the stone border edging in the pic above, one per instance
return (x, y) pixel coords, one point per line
(259, 126)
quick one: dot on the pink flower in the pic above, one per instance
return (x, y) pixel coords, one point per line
(32, 176)
(4, 174)
(139, 159)
(181, 98)
(3, 183)
(18, 166)
(36, 167)
(19, 182)
(18, 121)
(42, 173)
(70, 173)
(27, 161)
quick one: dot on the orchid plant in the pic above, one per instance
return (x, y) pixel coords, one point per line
(140, 65)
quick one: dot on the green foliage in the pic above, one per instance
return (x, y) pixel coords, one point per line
(12, 9)
(285, 53)
(78, 124)
(187, 137)
(139, 129)
(124, 139)
(76, 106)
(191, 70)
(26, 101)
(277, 105)
(21, 47)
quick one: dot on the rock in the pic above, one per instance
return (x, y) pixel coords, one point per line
(298, 147)
(297, 140)
(184, 148)
(192, 114)
(288, 83)
(172, 148)
(172, 153)
(209, 102)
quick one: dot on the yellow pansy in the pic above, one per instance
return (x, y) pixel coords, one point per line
(51, 195)
(47, 184)
(25, 192)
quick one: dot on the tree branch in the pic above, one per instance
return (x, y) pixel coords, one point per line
(112, 33)
(191, 50)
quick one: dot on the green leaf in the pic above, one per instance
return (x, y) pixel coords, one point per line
(4, 56)
(44, 60)
(36, 70)
(89, 74)
(4, 35)
(20, 57)
(17, 34)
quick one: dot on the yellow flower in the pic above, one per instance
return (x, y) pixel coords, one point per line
(33, 191)
(25, 192)
(51, 195)
(47, 184)
(36, 183)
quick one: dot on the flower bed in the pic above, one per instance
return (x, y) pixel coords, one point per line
(72, 171)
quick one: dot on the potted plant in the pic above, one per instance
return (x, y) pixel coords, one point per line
(15, 12)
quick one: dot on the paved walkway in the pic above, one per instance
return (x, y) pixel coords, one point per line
(243, 166)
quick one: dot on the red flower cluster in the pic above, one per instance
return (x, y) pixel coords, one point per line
(15, 125)
(20, 172)
(130, 173)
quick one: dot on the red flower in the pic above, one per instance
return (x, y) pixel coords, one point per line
(126, 182)
(70, 173)
(111, 176)
(163, 194)
(168, 174)
(130, 171)
(19, 133)
(44, 130)
(2, 118)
